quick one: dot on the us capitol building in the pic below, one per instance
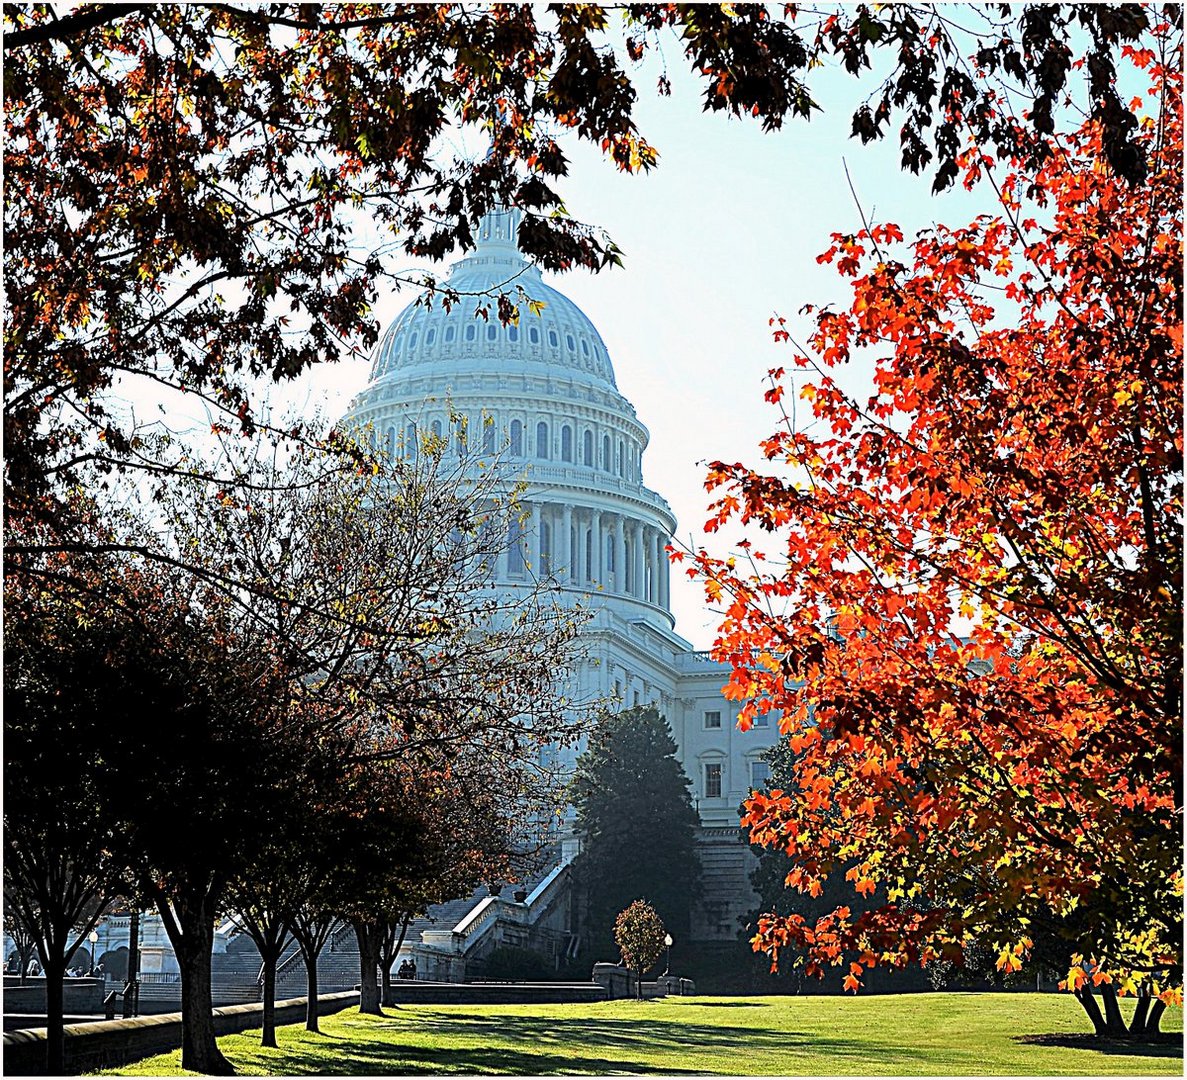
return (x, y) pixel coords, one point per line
(543, 392)
(599, 532)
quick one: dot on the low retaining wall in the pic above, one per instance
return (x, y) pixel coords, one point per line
(106, 1043)
(78, 995)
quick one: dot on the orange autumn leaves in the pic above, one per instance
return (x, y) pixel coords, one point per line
(969, 622)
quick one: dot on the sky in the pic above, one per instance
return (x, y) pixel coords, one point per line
(720, 237)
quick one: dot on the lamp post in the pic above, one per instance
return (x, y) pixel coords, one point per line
(93, 938)
(668, 946)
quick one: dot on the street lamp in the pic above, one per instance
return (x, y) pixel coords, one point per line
(93, 938)
(668, 946)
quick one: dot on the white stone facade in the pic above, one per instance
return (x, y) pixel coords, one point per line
(543, 393)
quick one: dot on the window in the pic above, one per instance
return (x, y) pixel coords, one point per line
(570, 342)
(713, 780)
(534, 335)
(449, 332)
(587, 449)
(589, 555)
(552, 340)
(713, 719)
(516, 439)
(488, 438)
(636, 697)
(545, 549)
(566, 443)
(513, 333)
(760, 774)
(470, 332)
(607, 464)
(412, 343)
(436, 429)
(542, 440)
(515, 559)
(391, 443)
(621, 458)
(763, 721)
(410, 441)
(492, 332)
(430, 337)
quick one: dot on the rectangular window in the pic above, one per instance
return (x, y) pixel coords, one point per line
(713, 719)
(713, 781)
(760, 774)
(763, 720)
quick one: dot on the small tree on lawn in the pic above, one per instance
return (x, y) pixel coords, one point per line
(639, 933)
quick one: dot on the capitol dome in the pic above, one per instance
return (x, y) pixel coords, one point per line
(559, 338)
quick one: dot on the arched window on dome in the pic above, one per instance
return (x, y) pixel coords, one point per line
(570, 342)
(621, 458)
(492, 332)
(412, 342)
(516, 439)
(430, 337)
(589, 555)
(610, 553)
(411, 443)
(449, 333)
(566, 443)
(488, 436)
(542, 440)
(436, 429)
(545, 549)
(459, 436)
(552, 338)
(534, 335)
(587, 449)
(471, 332)
(607, 463)
(584, 347)
(513, 333)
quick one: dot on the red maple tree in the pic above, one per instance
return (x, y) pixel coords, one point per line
(971, 623)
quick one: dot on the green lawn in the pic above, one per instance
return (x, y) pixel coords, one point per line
(928, 1034)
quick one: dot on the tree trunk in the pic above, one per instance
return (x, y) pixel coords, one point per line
(370, 939)
(190, 927)
(311, 992)
(54, 971)
(1115, 1022)
(1086, 998)
(1155, 1017)
(392, 944)
(268, 1036)
(1137, 1026)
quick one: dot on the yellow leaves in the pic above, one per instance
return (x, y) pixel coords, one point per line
(1011, 956)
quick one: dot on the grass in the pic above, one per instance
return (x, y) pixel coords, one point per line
(917, 1034)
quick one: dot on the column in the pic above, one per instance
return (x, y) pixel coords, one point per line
(534, 543)
(619, 556)
(599, 549)
(657, 562)
(640, 584)
(665, 569)
(566, 546)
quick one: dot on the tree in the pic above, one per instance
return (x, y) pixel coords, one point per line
(973, 629)
(636, 822)
(182, 180)
(639, 934)
(62, 858)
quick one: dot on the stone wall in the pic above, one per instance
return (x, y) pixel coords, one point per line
(108, 1043)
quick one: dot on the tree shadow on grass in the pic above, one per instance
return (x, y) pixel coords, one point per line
(1169, 1044)
(723, 1004)
(533, 1046)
